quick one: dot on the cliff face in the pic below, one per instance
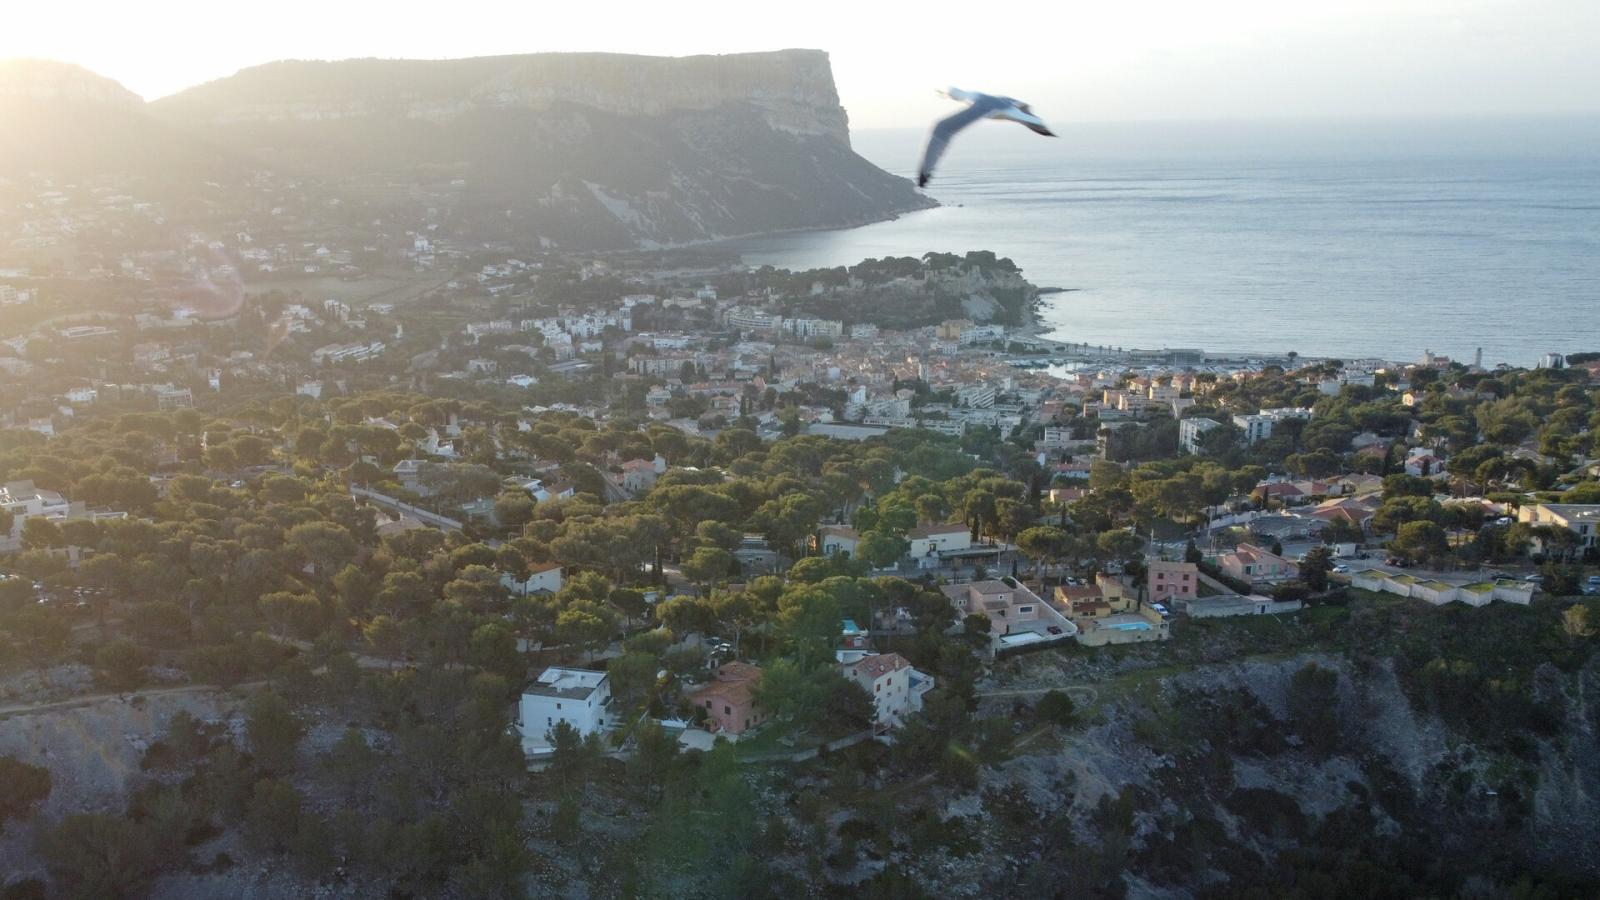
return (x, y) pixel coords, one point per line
(64, 120)
(43, 81)
(793, 89)
(572, 150)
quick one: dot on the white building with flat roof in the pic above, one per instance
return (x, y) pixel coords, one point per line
(1190, 430)
(579, 697)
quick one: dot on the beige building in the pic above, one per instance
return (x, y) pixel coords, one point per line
(1582, 519)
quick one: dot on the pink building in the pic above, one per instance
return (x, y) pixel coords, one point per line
(729, 700)
(1169, 580)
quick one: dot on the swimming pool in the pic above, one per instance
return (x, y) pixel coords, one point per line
(1130, 626)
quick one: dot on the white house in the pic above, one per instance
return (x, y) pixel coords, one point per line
(638, 476)
(839, 539)
(544, 578)
(928, 541)
(1421, 462)
(1259, 427)
(896, 688)
(1190, 430)
(579, 697)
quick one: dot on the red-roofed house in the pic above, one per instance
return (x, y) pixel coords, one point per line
(896, 688)
(1248, 562)
(1348, 509)
(1279, 490)
(638, 476)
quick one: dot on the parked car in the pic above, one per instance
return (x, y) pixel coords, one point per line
(1594, 580)
(1341, 570)
(1535, 578)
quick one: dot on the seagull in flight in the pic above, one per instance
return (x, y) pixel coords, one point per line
(980, 106)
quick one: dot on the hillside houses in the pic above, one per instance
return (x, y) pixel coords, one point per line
(1250, 563)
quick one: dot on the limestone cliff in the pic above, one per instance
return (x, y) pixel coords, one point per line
(63, 120)
(793, 89)
(43, 81)
(571, 150)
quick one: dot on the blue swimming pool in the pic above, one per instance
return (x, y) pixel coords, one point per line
(1130, 626)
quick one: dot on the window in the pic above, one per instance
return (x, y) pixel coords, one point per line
(558, 706)
(727, 710)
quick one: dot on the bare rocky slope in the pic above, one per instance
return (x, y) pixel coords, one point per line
(1208, 782)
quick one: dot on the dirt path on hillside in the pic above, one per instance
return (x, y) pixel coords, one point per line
(27, 709)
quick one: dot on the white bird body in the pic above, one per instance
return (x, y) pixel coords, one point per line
(979, 106)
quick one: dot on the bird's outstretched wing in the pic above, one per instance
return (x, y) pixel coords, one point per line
(946, 128)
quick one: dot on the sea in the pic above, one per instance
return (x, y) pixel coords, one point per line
(1346, 239)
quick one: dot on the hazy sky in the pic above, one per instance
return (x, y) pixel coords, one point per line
(1074, 60)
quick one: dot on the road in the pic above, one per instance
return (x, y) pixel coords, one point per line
(1075, 691)
(28, 709)
(422, 515)
(25, 709)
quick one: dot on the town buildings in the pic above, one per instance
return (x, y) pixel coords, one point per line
(1016, 614)
(1259, 427)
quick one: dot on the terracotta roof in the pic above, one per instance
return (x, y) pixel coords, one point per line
(738, 692)
(1077, 593)
(990, 587)
(875, 667)
(738, 672)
